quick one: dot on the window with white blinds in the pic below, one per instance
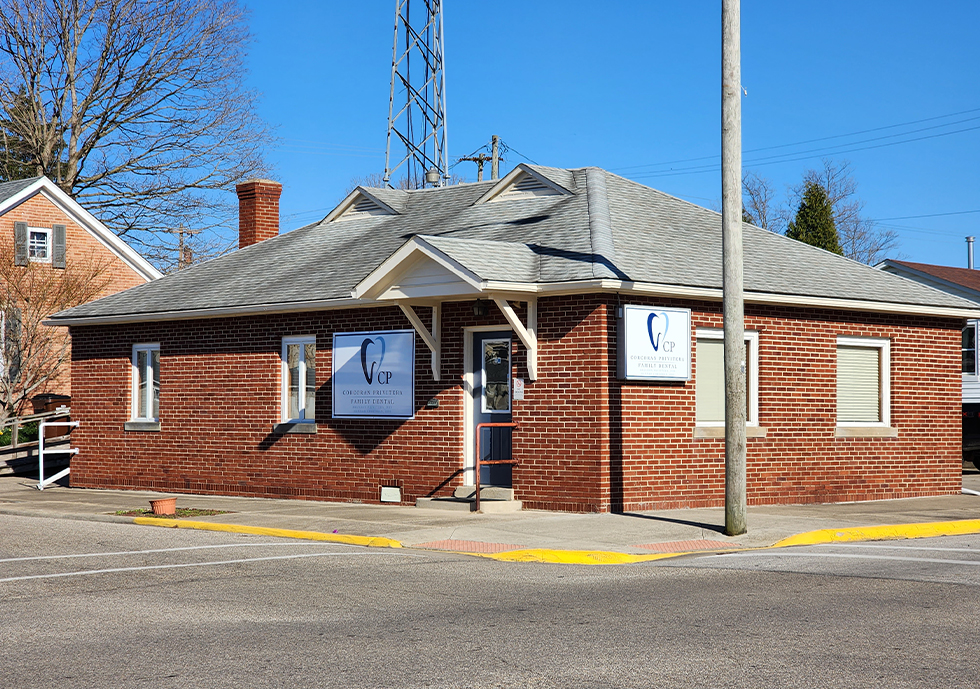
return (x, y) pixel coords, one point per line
(862, 381)
(709, 381)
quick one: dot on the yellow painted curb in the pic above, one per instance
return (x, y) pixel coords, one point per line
(369, 541)
(883, 533)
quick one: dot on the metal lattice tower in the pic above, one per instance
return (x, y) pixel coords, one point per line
(417, 120)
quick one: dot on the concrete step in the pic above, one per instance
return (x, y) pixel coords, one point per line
(486, 493)
(487, 506)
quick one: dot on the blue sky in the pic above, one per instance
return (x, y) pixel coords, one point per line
(635, 86)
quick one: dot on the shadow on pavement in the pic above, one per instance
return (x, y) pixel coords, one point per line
(685, 522)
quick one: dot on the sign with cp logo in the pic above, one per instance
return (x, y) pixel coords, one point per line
(654, 343)
(374, 374)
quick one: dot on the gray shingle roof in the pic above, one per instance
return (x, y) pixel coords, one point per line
(8, 189)
(619, 230)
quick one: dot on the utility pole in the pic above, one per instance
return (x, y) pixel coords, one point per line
(733, 306)
(480, 160)
(417, 105)
(185, 254)
(495, 157)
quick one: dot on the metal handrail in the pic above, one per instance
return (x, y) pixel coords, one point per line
(42, 482)
(480, 462)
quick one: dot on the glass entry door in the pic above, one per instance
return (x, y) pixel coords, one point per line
(492, 402)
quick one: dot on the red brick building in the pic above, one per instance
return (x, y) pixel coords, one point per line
(360, 353)
(44, 228)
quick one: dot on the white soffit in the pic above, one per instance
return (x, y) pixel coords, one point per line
(418, 270)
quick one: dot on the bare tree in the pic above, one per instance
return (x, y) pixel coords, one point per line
(757, 203)
(137, 108)
(34, 354)
(860, 238)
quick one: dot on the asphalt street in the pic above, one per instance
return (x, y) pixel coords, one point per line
(947, 560)
(91, 604)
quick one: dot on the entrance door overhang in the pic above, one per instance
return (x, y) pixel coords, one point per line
(419, 275)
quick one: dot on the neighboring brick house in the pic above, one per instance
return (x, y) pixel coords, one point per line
(41, 227)
(352, 359)
(965, 283)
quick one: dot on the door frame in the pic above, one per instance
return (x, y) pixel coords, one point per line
(469, 436)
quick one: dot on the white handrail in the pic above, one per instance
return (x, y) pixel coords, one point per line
(40, 453)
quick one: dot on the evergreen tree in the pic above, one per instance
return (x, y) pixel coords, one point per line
(16, 161)
(814, 221)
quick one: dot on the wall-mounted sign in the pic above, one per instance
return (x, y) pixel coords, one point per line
(374, 375)
(654, 343)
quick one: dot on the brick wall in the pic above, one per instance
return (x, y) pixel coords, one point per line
(82, 249)
(586, 441)
(800, 459)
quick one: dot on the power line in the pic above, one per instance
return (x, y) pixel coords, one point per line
(927, 215)
(825, 138)
(365, 149)
(809, 154)
(511, 148)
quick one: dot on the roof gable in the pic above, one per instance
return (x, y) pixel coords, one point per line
(416, 270)
(523, 182)
(12, 194)
(359, 204)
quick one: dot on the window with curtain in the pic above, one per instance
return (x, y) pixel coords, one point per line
(146, 382)
(299, 379)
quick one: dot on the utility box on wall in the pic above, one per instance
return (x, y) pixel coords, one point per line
(391, 494)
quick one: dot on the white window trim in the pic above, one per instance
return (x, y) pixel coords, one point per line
(510, 368)
(752, 340)
(971, 377)
(135, 382)
(301, 340)
(49, 249)
(884, 378)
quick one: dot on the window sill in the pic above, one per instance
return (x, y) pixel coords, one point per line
(142, 426)
(295, 427)
(719, 432)
(865, 432)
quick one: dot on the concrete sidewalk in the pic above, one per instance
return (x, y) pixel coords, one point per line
(631, 534)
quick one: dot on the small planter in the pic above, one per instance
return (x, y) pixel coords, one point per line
(164, 506)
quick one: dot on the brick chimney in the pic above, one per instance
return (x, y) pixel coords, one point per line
(258, 211)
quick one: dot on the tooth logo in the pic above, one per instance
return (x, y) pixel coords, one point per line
(373, 352)
(657, 330)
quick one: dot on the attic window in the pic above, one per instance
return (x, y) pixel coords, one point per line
(362, 208)
(527, 186)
